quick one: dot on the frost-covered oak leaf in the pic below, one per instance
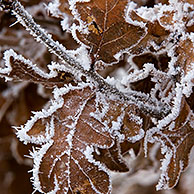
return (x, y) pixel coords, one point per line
(185, 55)
(77, 121)
(156, 34)
(17, 68)
(108, 31)
(177, 140)
(185, 63)
(64, 163)
(63, 7)
(131, 128)
(112, 158)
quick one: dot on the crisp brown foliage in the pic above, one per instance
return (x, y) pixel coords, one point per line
(179, 142)
(23, 72)
(73, 125)
(109, 33)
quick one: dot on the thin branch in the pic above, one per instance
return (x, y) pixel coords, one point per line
(145, 104)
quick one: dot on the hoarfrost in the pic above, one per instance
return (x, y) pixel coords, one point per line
(37, 155)
(88, 153)
(162, 183)
(175, 109)
(130, 7)
(53, 8)
(81, 55)
(65, 23)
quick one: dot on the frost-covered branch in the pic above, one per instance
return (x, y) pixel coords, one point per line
(144, 102)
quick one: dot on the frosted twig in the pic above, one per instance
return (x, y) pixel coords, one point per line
(146, 104)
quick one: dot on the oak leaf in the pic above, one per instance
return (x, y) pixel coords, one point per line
(63, 159)
(72, 127)
(19, 69)
(177, 140)
(156, 34)
(131, 128)
(185, 55)
(109, 32)
(83, 130)
(112, 158)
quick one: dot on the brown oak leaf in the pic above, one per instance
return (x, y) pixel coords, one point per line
(177, 141)
(184, 51)
(77, 121)
(112, 158)
(156, 34)
(20, 69)
(184, 64)
(131, 128)
(65, 156)
(109, 33)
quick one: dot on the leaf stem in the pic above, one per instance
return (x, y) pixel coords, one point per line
(144, 103)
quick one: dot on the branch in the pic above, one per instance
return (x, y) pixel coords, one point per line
(143, 101)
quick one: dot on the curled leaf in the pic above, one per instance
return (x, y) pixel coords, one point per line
(177, 141)
(20, 69)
